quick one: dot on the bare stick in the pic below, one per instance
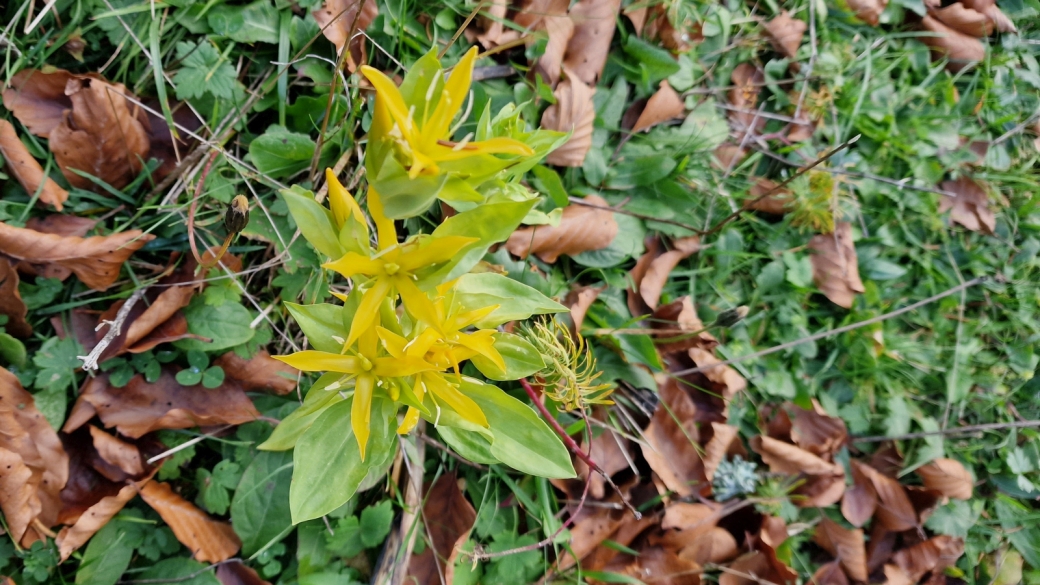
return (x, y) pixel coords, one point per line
(838, 331)
(1023, 424)
(115, 326)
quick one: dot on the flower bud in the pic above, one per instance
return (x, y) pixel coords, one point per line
(237, 216)
(731, 317)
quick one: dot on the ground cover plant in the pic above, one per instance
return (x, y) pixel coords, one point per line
(603, 291)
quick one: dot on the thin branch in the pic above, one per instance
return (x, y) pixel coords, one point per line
(1023, 424)
(115, 326)
(442, 447)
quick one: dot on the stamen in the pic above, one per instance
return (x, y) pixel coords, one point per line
(463, 143)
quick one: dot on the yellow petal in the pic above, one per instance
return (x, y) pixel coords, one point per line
(342, 204)
(464, 320)
(394, 343)
(339, 295)
(501, 145)
(411, 418)
(352, 264)
(368, 343)
(391, 96)
(321, 361)
(422, 343)
(454, 95)
(416, 301)
(433, 251)
(483, 343)
(459, 402)
(361, 410)
(367, 313)
(387, 234)
(389, 367)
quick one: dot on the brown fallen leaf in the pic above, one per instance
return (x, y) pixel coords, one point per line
(716, 546)
(93, 519)
(629, 529)
(948, 477)
(785, 33)
(719, 446)
(970, 206)
(237, 573)
(679, 328)
(753, 568)
(260, 372)
(816, 432)
(27, 170)
(169, 301)
(101, 136)
(609, 451)
(725, 381)
(579, 300)
(207, 539)
(489, 29)
(657, 565)
(894, 509)
(963, 19)
(581, 229)
(674, 36)
(96, 260)
(747, 81)
(38, 99)
(728, 154)
(846, 546)
(653, 282)
(448, 517)
(993, 13)
(765, 197)
(830, 574)
(961, 49)
(11, 303)
(560, 29)
(336, 18)
(773, 531)
(594, 23)
(786, 458)
(860, 500)
(573, 112)
(117, 452)
(835, 266)
(869, 11)
(19, 499)
(591, 527)
(933, 555)
(664, 105)
(894, 575)
(62, 225)
(924, 500)
(670, 448)
(141, 407)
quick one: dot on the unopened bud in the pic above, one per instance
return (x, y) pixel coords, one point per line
(237, 216)
(731, 317)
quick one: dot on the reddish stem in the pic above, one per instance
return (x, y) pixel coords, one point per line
(194, 203)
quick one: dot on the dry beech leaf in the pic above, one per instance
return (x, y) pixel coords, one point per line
(835, 267)
(11, 303)
(960, 48)
(635, 303)
(169, 301)
(27, 170)
(607, 451)
(117, 452)
(665, 567)
(765, 197)
(716, 546)
(208, 540)
(785, 33)
(260, 372)
(573, 112)
(773, 531)
(448, 518)
(668, 449)
(594, 23)
(674, 323)
(747, 81)
(592, 527)
(141, 407)
(581, 229)
(549, 16)
(830, 574)
(786, 458)
(753, 568)
(718, 447)
(664, 105)
(335, 19)
(101, 136)
(963, 19)
(948, 477)
(19, 500)
(72, 537)
(896, 576)
(816, 432)
(894, 509)
(689, 517)
(492, 31)
(95, 260)
(860, 500)
(970, 207)
(653, 282)
(38, 99)
(868, 10)
(994, 14)
(847, 546)
(237, 573)
(62, 225)
(579, 300)
(629, 529)
(727, 379)
(935, 554)
(728, 154)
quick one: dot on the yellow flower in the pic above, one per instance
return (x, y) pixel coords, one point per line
(342, 204)
(365, 368)
(426, 142)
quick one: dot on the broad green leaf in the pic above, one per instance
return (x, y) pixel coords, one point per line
(181, 570)
(52, 404)
(293, 426)
(12, 352)
(260, 508)
(471, 445)
(515, 300)
(203, 70)
(403, 197)
(376, 522)
(656, 62)
(639, 172)
(320, 323)
(225, 326)
(280, 153)
(328, 468)
(521, 358)
(106, 557)
(523, 440)
(57, 362)
(252, 23)
(316, 223)
(491, 223)
(1024, 534)
(550, 180)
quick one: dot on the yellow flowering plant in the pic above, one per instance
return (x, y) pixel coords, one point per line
(417, 335)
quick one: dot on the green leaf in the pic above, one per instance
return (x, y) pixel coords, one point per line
(471, 445)
(321, 324)
(328, 469)
(627, 244)
(522, 440)
(346, 538)
(188, 377)
(316, 223)
(376, 522)
(1023, 533)
(212, 496)
(226, 326)
(40, 294)
(521, 359)
(293, 426)
(280, 153)
(260, 508)
(58, 363)
(403, 197)
(12, 351)
(203, 70)
(252, 23)
(106, 557)
(657, 62)
(953, 519)
(641, 171)
(178, 569)
(212, 377)
(515, 300)
(550, 180)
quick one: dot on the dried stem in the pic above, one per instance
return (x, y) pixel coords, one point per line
(1022, 424)
(115, 326)
(194, 204)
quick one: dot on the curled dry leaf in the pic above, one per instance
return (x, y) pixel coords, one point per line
(765, 197)
(894, 509)
(860, 500)
(19, 500)
(448, 518)
(594, 23)
(11, 303)
(785, 33)
(336, 18)
(95, 260)
(669, 447)
(629, 529)
(592, 527)
(725, 381)
(38, 99)
(101, 136)
(675, 36)
(579, 300)
(656, 565)
(664, 105)
(835, 266)
(830, 574)
(933, 555)
(492, 31)
(783, 457)
(581, 229)
(560, 28)
(755, 567)
(141, 407)
(846, 546)
(169, 301)
(960, 48)
(721, 444)
(747, 81)
(964, 20)
(62, 225)
(260, 372)
(970, 205)
(608, 451)
(27, 170)
(948, 477)
(896, 576)
(716, 546)
(635, 303)
(573, 112)
(676, 323)
(773, 531)
(728, 154)
(993, 13)
(869, 11)
(237, 573)
(207, 539)
(653, 282)
(89, 522)
(117, 452)
(816, 432)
